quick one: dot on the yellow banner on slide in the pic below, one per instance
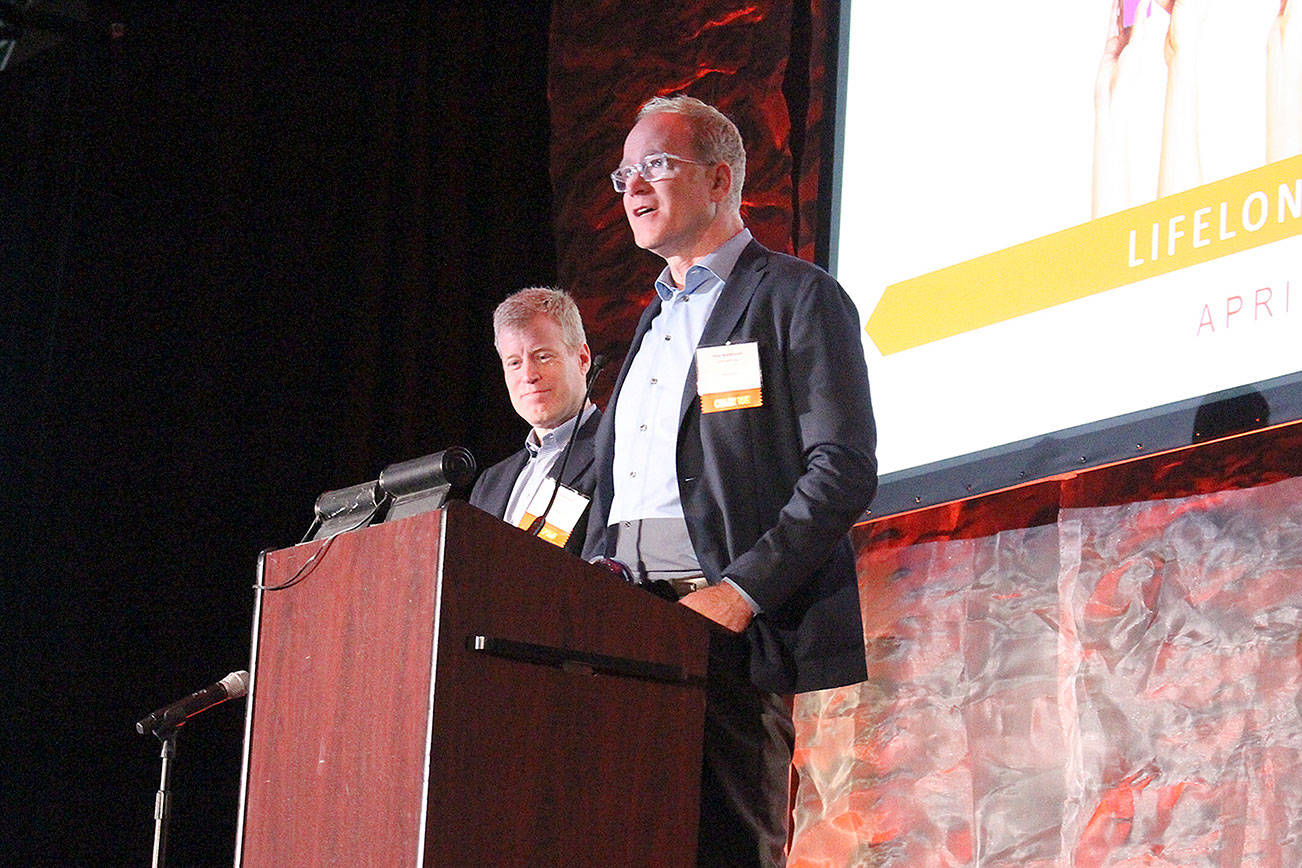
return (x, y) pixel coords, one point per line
(1174, 232)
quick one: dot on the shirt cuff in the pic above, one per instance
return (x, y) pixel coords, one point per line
(754, 607)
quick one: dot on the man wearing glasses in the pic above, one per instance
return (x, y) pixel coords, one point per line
(735, 453)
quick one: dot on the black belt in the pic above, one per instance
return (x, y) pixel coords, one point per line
(675, 589)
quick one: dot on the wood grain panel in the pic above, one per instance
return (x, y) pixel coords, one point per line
(341, 700)
(529, 764)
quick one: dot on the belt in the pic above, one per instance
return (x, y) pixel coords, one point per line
(673, 589)
(683, 587)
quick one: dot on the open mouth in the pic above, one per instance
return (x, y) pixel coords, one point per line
(643, 209)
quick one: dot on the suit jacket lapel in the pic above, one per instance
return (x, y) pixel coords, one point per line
(501, 493)
(581, 454)
(734, 298)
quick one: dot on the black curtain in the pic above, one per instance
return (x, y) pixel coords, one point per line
(248, 254)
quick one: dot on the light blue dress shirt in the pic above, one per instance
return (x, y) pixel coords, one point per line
(646, 414)
(543, 455)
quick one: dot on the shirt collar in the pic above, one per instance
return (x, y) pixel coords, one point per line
(555, 438)
(718, 265)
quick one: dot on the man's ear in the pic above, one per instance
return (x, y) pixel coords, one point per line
(722, 186)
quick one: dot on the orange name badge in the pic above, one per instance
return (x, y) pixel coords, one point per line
(565, 512)
(728, 377)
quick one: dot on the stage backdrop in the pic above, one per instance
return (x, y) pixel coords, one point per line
(249, 252)
(1099, 670)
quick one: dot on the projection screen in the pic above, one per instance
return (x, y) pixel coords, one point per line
(1071, 230)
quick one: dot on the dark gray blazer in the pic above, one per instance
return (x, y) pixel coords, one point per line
(492, 489)
(770, 492)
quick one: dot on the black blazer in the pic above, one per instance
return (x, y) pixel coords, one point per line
(493, 487)
(770, 492)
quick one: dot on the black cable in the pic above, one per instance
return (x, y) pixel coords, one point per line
(598, 362)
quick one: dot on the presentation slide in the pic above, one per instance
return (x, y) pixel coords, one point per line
(1056, 214)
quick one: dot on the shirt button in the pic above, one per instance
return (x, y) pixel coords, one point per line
(642, 427)
(667, 337)
(654, 381)
(632, 474)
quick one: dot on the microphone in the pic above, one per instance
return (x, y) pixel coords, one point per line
(598, 362)
(233, 686)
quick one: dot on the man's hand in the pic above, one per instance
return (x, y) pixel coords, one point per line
(721, 604)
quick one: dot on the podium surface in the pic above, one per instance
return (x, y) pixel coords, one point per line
(446, 690)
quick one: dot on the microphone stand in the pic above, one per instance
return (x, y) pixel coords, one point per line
(164, 723)
(163, 800)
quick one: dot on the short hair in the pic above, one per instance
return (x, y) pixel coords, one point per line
(715, 138)
(520, 308)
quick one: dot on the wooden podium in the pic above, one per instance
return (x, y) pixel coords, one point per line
(446, 690)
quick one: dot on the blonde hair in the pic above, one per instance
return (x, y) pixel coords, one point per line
(519, 309)
(715, 138)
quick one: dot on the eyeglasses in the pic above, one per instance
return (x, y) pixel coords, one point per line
(652, 168)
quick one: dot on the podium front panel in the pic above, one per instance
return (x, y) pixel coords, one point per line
(340, 709)
(380, 735)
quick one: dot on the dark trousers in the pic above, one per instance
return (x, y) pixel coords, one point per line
(749, 736)
(747, 765)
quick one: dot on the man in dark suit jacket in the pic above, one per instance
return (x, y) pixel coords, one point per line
(767, 433)
(545, 360)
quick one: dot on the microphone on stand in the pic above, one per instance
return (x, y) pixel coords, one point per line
(164, 723)
(598, 362)
(233, 686)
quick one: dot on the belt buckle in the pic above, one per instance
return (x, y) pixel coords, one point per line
(687, 586)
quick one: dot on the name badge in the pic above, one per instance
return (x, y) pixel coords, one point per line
(565, 512)
(728, 377)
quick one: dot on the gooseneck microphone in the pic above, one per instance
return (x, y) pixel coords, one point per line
(598, 362)
(233, 686)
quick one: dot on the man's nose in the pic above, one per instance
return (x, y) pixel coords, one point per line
(636, 183)
(531, 370)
